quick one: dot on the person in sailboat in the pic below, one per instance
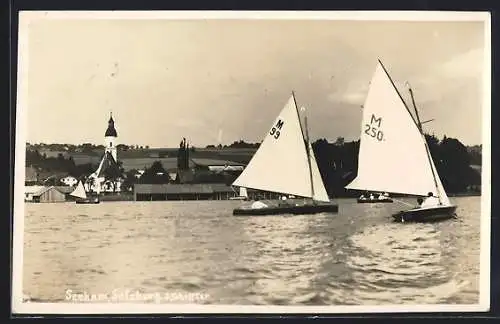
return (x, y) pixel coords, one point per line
(430, 201)
(284, 201)
(383, 196)
(419, 202)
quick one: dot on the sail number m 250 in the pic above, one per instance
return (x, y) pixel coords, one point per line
(373, 129)
(275, 131)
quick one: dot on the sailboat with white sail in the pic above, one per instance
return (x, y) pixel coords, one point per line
(285, 164)
(81, 196)
(393, 153)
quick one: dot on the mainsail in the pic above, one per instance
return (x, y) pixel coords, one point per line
(393, 155)
(320, 193)
(441, 193)
(79, 191)
(281, 163)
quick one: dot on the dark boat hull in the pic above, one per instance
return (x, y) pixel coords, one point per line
(291, 209)
(88, 201)
(426, 214)
(374, 201)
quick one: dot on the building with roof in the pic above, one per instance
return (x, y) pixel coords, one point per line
(31, 190)
(51, 178)
(195, 191)
(217, 165)
(69, 181)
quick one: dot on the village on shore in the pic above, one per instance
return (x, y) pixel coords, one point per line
(120, 172)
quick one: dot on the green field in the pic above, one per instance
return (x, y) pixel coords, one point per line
(139, 159)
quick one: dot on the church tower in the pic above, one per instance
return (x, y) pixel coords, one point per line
(110, 138)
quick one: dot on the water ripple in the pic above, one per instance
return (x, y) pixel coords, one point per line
(355, 257)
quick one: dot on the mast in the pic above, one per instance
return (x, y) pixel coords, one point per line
(419, 124)
(306, 143)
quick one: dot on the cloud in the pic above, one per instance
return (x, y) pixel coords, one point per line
(192, 78)
(355, 93)
(450, 76)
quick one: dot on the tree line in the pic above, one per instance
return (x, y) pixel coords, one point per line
(235, 144)
(337, 162)
(84, 147)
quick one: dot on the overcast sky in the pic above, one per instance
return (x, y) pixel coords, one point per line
(211, 80)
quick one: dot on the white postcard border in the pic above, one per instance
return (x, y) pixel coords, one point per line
(20, 307)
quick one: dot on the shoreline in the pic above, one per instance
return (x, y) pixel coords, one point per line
(130, 197)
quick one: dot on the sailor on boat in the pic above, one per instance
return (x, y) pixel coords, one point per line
(430, 202)
(383, 196)
(284, 201)
(419, 202)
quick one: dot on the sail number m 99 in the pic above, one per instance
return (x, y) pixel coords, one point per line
(275, 131)
(373, 129)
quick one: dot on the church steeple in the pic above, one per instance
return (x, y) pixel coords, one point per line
(110, 138)
(111, 131)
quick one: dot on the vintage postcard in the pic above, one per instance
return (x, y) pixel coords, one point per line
(252, 162)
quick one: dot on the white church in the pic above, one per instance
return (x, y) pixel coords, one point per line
(96, 181)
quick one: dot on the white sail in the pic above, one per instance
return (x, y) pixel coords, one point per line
(280, 164)
(392, 153)
(441, 193)
(319, 188)
(79, 191)
(98, 171)
(243, 192)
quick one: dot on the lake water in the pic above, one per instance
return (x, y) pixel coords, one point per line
(358, 256)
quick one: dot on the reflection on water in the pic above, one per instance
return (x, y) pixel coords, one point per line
(355, 257)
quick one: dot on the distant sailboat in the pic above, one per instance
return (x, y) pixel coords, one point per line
(81, 196)
(393, 153)
(98, 179)
(284, 163)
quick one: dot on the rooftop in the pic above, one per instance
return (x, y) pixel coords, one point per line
(215, 162)
(111, 131)
(181, 188)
